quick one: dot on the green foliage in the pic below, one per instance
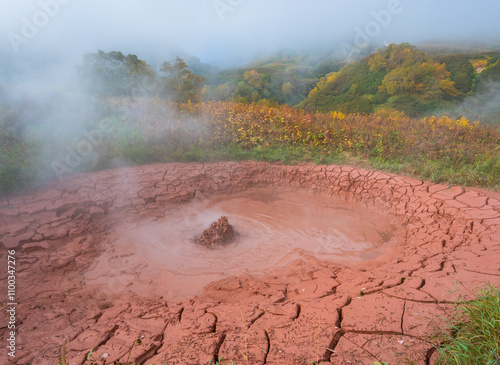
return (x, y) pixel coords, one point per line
(184, 85)
(491, 73)
(480, 73)
(148, 130)
(114, 74)
(396, 57)
(411, 105)
(343, 91)
(255, 79)
(428, 81)
(17, 157)
(347, 91)
(461, 72)
(474, 331)
(399, 77)
(221, 361)
(17, 165)
(281, 79)
(223, 92)
(250, 87)
(61, 358)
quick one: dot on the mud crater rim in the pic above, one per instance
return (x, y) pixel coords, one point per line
(449, 235)
(273, 227)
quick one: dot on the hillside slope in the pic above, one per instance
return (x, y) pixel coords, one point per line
(403, 78)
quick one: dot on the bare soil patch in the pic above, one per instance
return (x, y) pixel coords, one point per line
(306, 308)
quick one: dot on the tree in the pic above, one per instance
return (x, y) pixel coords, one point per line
(184, 85)
(396, 56)
(246, 93)
(223, 92)
(255, 79)
(141, 78)
(411, 71)
(114, 74)
(287, 91)
(429, 80)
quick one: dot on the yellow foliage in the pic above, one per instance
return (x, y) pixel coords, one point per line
(480, 64)
(331, 77)
(385, 134)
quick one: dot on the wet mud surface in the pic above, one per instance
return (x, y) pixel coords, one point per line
(329, 263)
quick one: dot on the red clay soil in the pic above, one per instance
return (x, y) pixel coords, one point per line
(308, 310)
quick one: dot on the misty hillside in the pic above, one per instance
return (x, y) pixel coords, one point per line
(403, 78)
(152, 105)
(286, 77)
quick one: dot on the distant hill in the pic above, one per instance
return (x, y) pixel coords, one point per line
(404, 78)
(443, 47)
(283, 78)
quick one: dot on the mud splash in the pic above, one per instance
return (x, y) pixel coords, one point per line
(220, 233)
(77, 280)
(274, 229)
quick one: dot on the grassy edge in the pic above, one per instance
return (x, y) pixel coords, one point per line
(473, 333)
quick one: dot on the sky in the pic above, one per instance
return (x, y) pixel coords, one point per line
(230, 32)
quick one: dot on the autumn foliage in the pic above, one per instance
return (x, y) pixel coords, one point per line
(398, 77)
(383, 135)
(147, 130)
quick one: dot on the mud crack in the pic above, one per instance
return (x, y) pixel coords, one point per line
(218, 346)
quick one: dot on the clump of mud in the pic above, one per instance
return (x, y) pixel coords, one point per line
(219, 233)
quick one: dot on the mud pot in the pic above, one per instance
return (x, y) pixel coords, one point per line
(328, 263)
(273, 228)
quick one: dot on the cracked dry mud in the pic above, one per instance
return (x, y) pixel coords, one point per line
(448, 244)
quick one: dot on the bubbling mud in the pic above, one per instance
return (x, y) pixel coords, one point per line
(273, 228)
(218, 234)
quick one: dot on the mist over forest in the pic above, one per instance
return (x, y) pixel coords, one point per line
(91, 75)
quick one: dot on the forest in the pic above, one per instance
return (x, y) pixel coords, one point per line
(400, 109)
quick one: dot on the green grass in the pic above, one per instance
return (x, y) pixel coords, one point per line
(473, 336)
(19, 174)
(17, 165)
(447, 151)
(221, 361)
(485, 174)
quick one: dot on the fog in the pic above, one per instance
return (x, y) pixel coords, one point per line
(231, 32)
